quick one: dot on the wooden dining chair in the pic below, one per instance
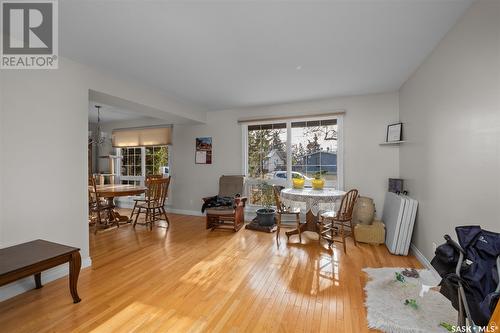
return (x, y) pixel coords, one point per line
(337, 226)
(98, 205)
(281, 210)
(154, 203)
(142, 199)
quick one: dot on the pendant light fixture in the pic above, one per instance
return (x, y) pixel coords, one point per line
(97, 138)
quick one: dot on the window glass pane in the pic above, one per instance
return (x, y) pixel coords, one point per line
(127, 161)
(329, 122)
(314, 149)
(266, 160)
(156, 159)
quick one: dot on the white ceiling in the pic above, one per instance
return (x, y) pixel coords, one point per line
(113, 114)
(223, 54)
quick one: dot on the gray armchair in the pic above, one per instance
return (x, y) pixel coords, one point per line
(228, 217)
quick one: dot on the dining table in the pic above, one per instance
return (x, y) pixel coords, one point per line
(310, 199)
(111, 191)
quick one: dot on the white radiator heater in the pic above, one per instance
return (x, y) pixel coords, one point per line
(399, 217)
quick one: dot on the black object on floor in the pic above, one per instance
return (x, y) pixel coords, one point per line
(254, 225)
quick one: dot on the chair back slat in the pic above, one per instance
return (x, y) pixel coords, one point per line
(164, 195)
(347, 205)
(157, 190)
(93, 194)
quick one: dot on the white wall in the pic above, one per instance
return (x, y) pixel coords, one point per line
(1, 159)
(44, 149)
(451, 111)
(366, 164)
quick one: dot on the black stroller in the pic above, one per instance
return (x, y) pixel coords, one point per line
(470, 274)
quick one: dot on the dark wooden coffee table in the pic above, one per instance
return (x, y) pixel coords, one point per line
(32, 258)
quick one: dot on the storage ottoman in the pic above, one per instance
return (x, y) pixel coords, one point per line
(370, 233)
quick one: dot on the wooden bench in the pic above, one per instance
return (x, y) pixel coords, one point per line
(22, 260)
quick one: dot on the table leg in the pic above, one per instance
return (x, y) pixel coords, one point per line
(74, 270)
(115, 216)
(38, 280)
(311, 222)
(296, 231)
(310, 225)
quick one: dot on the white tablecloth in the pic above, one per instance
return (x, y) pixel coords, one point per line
(314, 200)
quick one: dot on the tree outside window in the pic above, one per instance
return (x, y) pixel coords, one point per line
(266, 156)
(156, 159)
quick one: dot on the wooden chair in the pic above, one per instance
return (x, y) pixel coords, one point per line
(281, 210)
(98, 205)
(154, 204)
(333, 225)
(228, 217)
(232, 218)
(143, 199)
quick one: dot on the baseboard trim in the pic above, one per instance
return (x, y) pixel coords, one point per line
(424, 261)
(18, 287)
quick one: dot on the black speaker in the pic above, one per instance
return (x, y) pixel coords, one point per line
(395, 185)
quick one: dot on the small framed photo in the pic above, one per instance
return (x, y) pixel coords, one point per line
(394, 132)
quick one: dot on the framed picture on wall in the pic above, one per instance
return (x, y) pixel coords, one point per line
(203, 153)
(394, 132)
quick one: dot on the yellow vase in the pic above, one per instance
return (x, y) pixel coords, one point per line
(298, 183)
(318, 184)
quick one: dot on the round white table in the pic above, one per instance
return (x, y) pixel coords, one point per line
(312, 199)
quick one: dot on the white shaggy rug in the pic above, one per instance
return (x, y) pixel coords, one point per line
(386, 311)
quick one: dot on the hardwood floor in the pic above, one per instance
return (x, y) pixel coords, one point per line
(188, 279)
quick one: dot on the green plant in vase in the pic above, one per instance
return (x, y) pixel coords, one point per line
(265, 215)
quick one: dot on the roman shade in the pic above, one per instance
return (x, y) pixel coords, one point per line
(142, 137)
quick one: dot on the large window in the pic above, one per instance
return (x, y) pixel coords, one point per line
(276, 152)
(137, 162)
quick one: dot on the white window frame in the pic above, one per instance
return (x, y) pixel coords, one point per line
(340, 145)
(142, 177)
